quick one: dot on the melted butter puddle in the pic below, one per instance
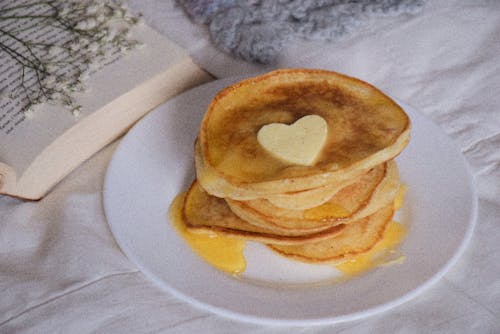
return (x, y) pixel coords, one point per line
(377, 256)
(223, 253)
(400, 195)
(227, 255)
(384, 252)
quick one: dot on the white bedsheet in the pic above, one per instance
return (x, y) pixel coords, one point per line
(62, 272)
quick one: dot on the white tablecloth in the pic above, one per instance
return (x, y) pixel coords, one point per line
(62, 272)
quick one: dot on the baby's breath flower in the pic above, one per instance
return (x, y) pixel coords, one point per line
(35, 101)
(66, 100)
(101, 17)
(86, 24)
(106, 53)
(92, 23)
(93, 8)
(76, 110)
(64, 9)
(77, 86)
(93, 66)
(29, 111)
(85, 75)
(102, 33)
(119, 12)
(60, 69)
(55, 50)
(74, 46)
(93, 47)
(84, 40)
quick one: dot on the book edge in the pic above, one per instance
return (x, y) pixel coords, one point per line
(185, 74)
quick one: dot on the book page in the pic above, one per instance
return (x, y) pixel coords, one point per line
(22, 137)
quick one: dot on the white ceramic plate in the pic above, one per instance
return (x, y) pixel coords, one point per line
(154, 162)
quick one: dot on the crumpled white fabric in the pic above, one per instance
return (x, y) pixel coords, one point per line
(62, 272)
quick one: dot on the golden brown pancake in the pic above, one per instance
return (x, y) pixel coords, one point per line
(365, 128)
(356, 238)
(324, 208)
(309, 198)
(203, 213)
(369, 193)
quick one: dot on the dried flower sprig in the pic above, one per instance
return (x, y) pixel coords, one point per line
(52, 69)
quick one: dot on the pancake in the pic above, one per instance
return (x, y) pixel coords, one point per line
(310, 198)
(203, 213)
(365, 128)
(355, 239)
(369, 193)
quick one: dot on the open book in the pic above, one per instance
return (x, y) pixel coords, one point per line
(37, 151)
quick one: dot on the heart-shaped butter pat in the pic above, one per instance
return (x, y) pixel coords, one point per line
(299, 143)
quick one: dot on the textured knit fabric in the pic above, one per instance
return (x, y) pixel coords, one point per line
(257, 30)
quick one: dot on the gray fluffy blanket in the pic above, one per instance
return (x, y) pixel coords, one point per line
(257, 30)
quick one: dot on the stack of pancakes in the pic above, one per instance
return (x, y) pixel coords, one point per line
(327, 211)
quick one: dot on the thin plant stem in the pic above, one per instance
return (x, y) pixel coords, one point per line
(45, 75)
